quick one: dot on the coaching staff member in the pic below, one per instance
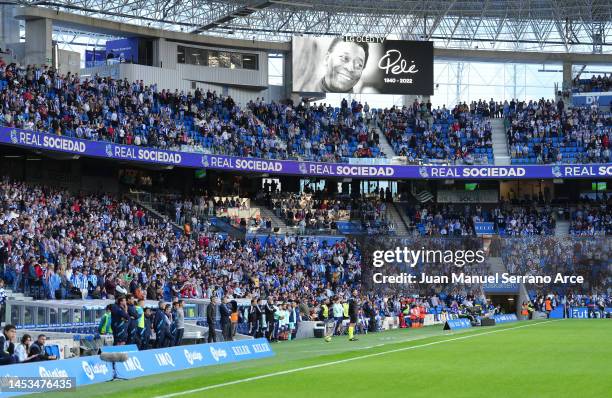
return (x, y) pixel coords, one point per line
(211, 314)
(224, 316)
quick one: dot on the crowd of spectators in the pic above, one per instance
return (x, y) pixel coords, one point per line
(57, 245)
(310, 211)
(591, 219)
(321, 132)
(524, 220)
(459, 135)
(132, 113)
(549, 255)
(545, 132)
(459, 220)
(443, 220)
(597, 83)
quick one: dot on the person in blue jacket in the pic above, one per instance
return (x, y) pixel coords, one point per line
(119, 321)
(133, 321)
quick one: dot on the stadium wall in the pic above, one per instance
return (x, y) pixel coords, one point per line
(241, 85)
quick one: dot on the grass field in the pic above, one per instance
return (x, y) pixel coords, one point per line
(564, 358)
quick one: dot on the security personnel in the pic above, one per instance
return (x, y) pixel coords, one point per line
(324, 311)
(104, 327)
(353, 309)
(140, 323)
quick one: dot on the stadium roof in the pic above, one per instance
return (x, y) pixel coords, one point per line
(526, 25)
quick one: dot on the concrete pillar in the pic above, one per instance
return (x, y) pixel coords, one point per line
(288, 78)
(158, 59)
(567, 75)
(39, 48)
(9, 26)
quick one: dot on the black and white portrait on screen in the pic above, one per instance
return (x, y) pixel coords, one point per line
(347, 65)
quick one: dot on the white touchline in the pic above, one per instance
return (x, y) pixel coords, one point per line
(320, 365)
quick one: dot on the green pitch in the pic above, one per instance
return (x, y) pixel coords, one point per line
(557, 359)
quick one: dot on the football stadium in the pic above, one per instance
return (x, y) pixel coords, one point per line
(228, 198)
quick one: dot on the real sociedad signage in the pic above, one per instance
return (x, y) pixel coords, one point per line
(102, 149)
(149, 362)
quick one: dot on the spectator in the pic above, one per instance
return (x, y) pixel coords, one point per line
(37, 349)
(23, 349)
(7, 345)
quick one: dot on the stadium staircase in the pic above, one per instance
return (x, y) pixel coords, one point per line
(276, 221)
(395, 214)
(562, 228)
(150, 210)
(383, 142)
(217, 223)
(500, 143)
(496, 265)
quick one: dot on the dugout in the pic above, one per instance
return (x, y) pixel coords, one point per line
(509, 303)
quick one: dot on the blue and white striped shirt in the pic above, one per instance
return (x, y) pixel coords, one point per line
(79, 281)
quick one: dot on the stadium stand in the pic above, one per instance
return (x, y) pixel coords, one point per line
(457, 220)
(545, 132)
(597, 83)
(131, 113)
(459, 136)
(61, 245)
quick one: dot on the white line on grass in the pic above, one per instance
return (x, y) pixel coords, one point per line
(320, 365)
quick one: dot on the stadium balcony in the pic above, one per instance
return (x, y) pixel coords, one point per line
(595, 84)
(456, 221)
